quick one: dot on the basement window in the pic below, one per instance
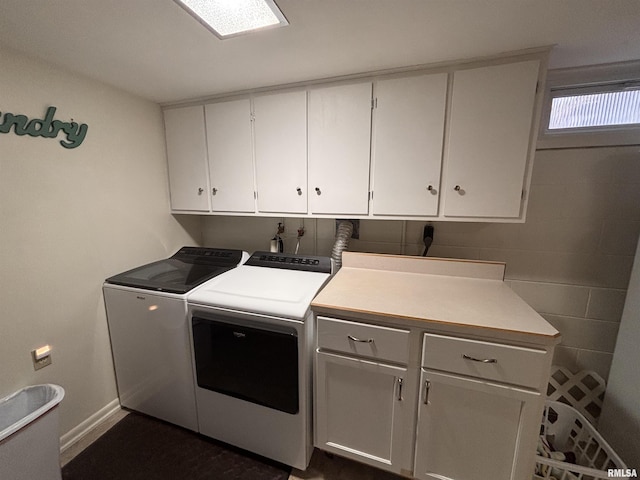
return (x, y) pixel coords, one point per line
(604, 106)
(592, 107)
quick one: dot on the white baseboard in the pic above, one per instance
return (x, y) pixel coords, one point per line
(76, 433)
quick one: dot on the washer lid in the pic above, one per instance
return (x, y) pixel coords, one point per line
(269, 291)
(186, 269)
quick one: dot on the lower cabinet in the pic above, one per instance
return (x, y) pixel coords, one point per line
(360, 409)
(469, 429)
(431, 406)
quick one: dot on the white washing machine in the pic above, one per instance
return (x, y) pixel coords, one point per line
(252, 333)
(147, 318)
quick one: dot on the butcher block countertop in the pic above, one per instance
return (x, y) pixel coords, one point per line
(456, 296)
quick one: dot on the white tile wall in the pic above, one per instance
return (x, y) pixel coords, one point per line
(619, 237)
(599, 362)
(567, 357)
(556, 299)
(608, 271)
(571, 260)
(584, 333)
(605, 304)
(245, 233)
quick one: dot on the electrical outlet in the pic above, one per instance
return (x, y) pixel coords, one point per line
(41, 357)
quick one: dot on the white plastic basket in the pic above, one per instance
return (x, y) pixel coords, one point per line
(568, 431)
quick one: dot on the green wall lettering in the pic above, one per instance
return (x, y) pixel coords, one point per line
(47, 127)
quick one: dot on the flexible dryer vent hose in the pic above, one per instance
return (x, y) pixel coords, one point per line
(343, 234)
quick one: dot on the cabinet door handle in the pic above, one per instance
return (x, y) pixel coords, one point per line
(200, 190)
(214, 191)
(361, 340)
(427, 387)
(299, 190)
(318, 191)
(481, 360)
(399, 381)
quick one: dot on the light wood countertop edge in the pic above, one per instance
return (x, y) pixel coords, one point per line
(366, 315)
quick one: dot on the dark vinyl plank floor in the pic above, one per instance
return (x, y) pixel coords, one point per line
(142, 448)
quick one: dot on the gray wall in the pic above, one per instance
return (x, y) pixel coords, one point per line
(620, 421)
(68, 220)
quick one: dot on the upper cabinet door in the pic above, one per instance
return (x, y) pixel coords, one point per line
(407, 144)
(280, 136)
(187, 158)
(488, 142)
(339, 149)
(230, 156)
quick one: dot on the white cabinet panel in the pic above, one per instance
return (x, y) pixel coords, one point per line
(280, 139)
(363, 340)
(360, 410)
(187, 158)
(470, 429)
(152, 354)
(339, 149)
(230, 156)
(488, 141)
(407, 144)
(492, 361)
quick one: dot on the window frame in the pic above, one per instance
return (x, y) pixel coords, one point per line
(584, 80)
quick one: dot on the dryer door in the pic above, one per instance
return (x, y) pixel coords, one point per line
(257, 364)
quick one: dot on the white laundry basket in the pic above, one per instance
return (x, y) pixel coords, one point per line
(569, 431)
(29, 437)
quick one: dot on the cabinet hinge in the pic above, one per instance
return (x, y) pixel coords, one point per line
(255, 195)
(252, 117)
(524, 192)
(371, 195)
(537, 86)
(374, 103)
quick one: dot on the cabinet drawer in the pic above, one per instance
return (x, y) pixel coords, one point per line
(374, 341)
(492, 361)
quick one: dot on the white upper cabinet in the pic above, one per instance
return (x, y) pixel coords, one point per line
(487, 147)
(230, 156)
(280, 139)
(407, 143)
(339, 149)
(452, 144)
(187, 158)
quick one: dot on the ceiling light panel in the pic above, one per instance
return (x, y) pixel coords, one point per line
(228, 18)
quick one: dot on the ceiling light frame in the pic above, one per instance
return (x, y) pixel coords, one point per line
(271, 4)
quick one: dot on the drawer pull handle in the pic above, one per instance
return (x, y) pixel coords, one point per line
(481, 360)
(361, 340)
(427, 387)
(399, 380)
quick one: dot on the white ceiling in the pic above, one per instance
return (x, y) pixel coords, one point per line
(154, 49)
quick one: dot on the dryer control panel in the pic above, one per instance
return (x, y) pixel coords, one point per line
(308, 263)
